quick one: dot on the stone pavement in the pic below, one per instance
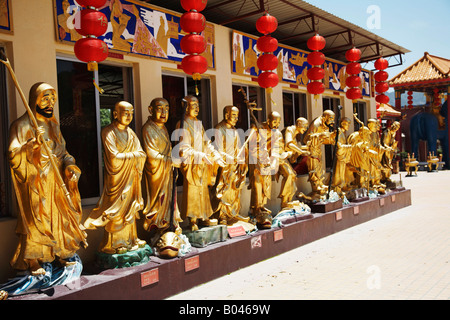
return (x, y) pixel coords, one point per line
(403, 255)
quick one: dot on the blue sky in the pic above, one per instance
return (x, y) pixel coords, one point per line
(415, 25)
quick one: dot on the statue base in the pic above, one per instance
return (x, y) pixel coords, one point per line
(357, 195)
(324, 207)
(207, 235)
(55, 275)
(124, 260)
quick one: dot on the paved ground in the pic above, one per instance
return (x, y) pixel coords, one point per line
(402, 255)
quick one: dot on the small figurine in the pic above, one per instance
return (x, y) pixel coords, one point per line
(121, 201)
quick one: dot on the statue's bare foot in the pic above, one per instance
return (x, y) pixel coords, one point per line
(121, 250)
(35, 268)
(66, 263)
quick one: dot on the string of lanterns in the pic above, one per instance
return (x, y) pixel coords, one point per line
(267, 61)
(316, 59)
(410, 99)
(193, 44)
(381, 80)
(91, 24)
(353, 70)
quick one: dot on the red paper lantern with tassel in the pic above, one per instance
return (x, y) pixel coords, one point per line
(193, 43)
(267, 61)
(268, 79)
(266, 24)
(353, 69)
(91, 22)
(267, 44)
(192, 22)
(316, 59)
(380, 77)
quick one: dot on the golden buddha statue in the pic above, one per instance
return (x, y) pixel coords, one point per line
(389, 142)
(375, 160)
(290, 139)
(343, 154)
(158, 170)
(121, 200)
(317, 135)
(260, 172)
(198, 159)
(48, 224)
(226, 198)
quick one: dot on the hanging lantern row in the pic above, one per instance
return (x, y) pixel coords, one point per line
(193, 44)
(267, 44)
(316, 59)
(91, 24)
(381, 80)
(410, 100)
(353, 70)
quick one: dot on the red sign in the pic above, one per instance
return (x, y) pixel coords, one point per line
(338, 215)
(191, 263)
(149, 277)
(236, 231)
(356, 210)
(278, 235)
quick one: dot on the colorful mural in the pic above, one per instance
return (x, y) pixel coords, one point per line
(5, 16)
(134, 27)
(292, 66)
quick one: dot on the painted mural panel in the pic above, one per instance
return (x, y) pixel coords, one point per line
(5, 16)
(292, 65)
(134, 27)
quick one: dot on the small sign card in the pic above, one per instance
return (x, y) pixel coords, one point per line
(356, 210)
(278, 235)
(393, 198)
(338, 215)
(191, 263)
(381, 202)
(149, 277)
(236, 231)
(256, 242)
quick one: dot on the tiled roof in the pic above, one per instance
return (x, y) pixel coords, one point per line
(427, 68)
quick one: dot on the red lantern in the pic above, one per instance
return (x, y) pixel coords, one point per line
(91, 3)
(192, 22)
(316, 43)
(197, 5)
(382, 98)
(382, 87)
(193, 43)
(353, 81)
(315, 73)
(267, 44)
(194, 64)
(268, 79)
(315, 87)
(381, 64)
(266, 24)
(316, 58)
(353, 93)
(353, 54)
(267, 61)
(353, 68)
(91, 50)
(91, 22)
(381, 76)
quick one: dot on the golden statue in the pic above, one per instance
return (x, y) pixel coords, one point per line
(358, 168)
(260, 173)
(318, 134)
(226, 199)
(48, 223)
(343, 154)
(277, 148)
(389, 142)
(159, 174)
(375, 161)
(290, 139)
(198, 158)
(121, 201)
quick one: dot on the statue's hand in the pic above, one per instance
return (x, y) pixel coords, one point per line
(72, 172)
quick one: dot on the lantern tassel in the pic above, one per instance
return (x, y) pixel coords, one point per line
(97, 87)
(196, 88)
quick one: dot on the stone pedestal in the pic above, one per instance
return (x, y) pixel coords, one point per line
(207, 235)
